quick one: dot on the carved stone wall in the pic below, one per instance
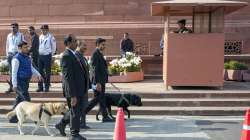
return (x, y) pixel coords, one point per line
(233, 46)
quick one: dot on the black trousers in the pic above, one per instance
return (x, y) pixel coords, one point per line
(35, 61)
(66, 118)
(99, 97)
(22, 93)
(44, 67)
(72, 117)
(85, 104)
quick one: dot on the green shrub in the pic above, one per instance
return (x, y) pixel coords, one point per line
(226, 66)
(4, 67)
(235, 65)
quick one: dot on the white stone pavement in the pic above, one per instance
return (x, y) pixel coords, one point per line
(138, 128)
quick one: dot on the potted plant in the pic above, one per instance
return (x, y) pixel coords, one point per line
(234, 70)
(4, 67)
(126, 69)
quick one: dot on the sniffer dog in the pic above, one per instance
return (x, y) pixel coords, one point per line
(37, 112)
(120, 100)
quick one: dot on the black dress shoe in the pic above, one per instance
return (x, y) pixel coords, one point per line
(13, 119)
(77, 137)
(61, 128)
(46, 90)
(107, 119)
(39, 90)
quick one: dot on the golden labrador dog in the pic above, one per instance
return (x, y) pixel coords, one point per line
(37, 112)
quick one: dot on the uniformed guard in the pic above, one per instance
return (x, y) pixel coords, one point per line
(47, 48)
(182, 27)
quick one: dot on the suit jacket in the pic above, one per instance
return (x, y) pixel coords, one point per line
(85, 66)
(100, 67)
(34, 46)
(74, 80)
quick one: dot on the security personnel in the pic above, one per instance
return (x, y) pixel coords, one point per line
(99, 79)
(22, 70)
(34, 45)
(47, 48)
(126, 45)
(80, 51)
(74, 88)
(182, 27)
(13, 39)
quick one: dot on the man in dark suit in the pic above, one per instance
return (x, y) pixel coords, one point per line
(74, 88)
(80, 50)
(34, 46)
(99, 79)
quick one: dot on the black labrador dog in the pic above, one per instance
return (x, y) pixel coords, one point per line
(120, 100)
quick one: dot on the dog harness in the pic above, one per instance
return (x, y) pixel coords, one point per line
(123, 98)
(42, 109)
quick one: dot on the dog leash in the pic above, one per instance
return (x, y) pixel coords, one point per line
(114, 86)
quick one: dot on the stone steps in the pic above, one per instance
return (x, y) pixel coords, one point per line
(167, 102)
(177, 102)
(183, 94)
(198, 111)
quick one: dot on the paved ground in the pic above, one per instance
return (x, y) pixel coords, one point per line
(142, 128)
(146, 127)
(154, 86)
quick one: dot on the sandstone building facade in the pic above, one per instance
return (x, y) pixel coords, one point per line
(109, 19)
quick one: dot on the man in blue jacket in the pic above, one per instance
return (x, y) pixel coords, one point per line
(22, 71)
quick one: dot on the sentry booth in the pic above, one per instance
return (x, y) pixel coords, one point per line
(195, 59)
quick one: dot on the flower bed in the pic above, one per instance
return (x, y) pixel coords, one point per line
(126, 69)
(127, 77)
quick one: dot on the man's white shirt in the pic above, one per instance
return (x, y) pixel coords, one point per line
(15, 65)
(13, 41)
(47, 44)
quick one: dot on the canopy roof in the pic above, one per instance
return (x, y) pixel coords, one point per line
(187, 7)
